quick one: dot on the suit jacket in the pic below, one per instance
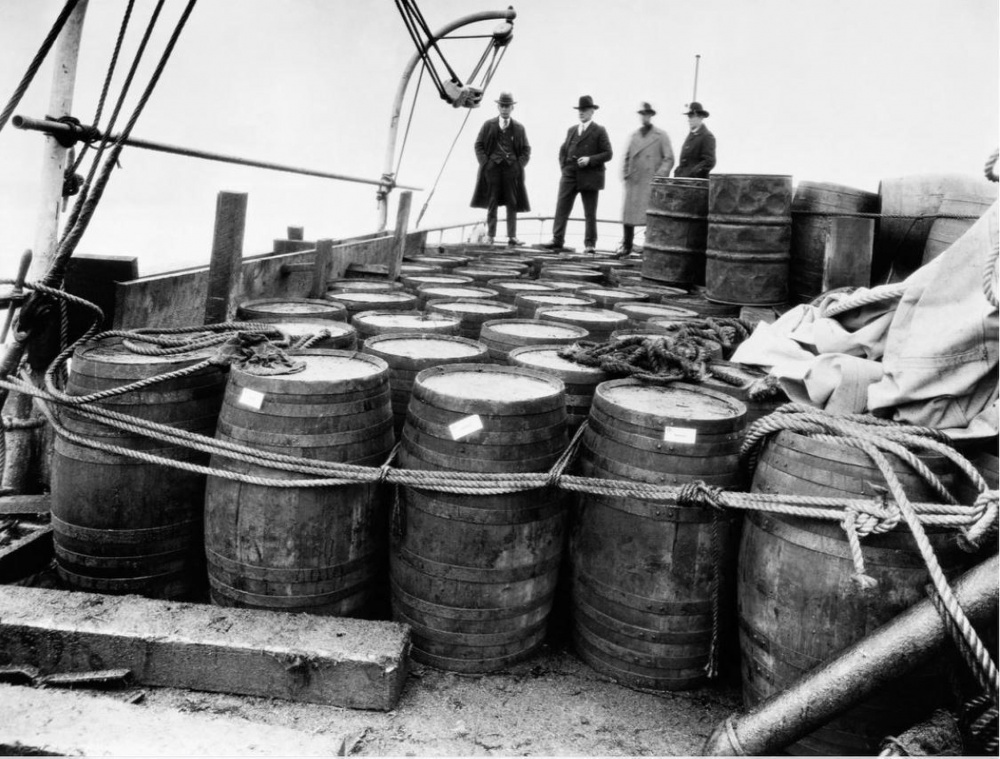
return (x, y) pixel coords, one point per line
(645, 157)
(697, 154)
(595, 145)
(485, 142)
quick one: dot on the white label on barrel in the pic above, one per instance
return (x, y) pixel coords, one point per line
(679, 434)
(251, 398)
(465, 427)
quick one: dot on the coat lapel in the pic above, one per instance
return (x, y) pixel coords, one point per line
(640, 143)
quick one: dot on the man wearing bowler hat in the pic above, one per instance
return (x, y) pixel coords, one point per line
(698, 151)
(502, 150)
(581, 158)
(648, 154)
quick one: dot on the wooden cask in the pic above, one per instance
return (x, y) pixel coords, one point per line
(269, 309)
(580, 381)
(529, 303)
(371, 323)
(473, 312)
(503, 335)
(598, 322)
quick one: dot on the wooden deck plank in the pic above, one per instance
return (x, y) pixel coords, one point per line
(298, 657)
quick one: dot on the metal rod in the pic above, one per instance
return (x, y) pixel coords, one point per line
(892, 650)
(697, 60)
(397, 104)
(22, 273)
(58, 127)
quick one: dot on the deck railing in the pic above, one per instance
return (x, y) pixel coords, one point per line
(533, 230)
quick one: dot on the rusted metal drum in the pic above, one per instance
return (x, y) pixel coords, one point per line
(371, 323)
(121, 525)
(599, 322)
(643, 570)
(317, 550)
(676, 231)
(811, 229)
(474, 575)
(503, 335)
(272, 309)
(357, 301)
(581, 381)
(798, 605)
(529, 303)
(607, 297)
(509, 289)
(409, 354)
(749, 235)
(473, 312)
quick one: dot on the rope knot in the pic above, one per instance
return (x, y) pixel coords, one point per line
(861, 578)
(986, 526)
(698, 494)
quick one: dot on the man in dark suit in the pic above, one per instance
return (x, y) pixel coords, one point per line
(698, 153)
(581, 157)
(502, 150)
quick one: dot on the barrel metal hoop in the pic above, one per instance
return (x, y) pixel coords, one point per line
(642, 603)
(755, 220)
(465, 613)
(442, 571)
(277, 601)
(290, 574)
(191, 527)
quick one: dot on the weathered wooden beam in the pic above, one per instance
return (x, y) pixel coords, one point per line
(321, 268)
(60, 723)
(296, 233)
(227, 254)
(93, 277)
(24, 505)
(402, 221)
(26, 555)
(299, 657)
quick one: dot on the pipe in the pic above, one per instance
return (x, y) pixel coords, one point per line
(397, 105)
(894, 649)
(59, 128)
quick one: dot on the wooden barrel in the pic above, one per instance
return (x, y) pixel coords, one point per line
(640, 313)
(599, 322)
(339, 335)
(481, 275)
(509, 289)
(900, 242)
(697, 302)
(760, 399)
(503, 335)
(507, 262)
(643, 570)
(749, 234)
(363, 285)
(474, 575)
(406, 269)
(358, 301)
(427, 293)
(529, 303)
(473, 312)
(944, 231)
(442, 262)
(607, 297)
(573, 274)
(414, 282)
(809, 264)
(580, 381)
(317, 550)
(269, 309)
(676, 231)
(371, 323)
(798, 605)
(409, 354)
(121, 525)
(568, 286)
(657, 293)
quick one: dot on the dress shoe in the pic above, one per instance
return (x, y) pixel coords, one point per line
(488, 241)
(590, 249)
(552, 245)
(513, 242)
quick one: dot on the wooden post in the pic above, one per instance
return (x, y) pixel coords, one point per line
(399, 246)
(321, 268)
(227, 255)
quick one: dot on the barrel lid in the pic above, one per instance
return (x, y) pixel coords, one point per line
(536, 329)
(456, 292)
(476, 306)
(520, 284)
(298, 327)
(415, 320)
(438, 260)
(654, 310)
(361, 284)
(547, 358)
(677, 405)
(303, 306)
(425, 346)
(565, 284)
(437, 279)
(489, 389)
(326, 371)
(494, 272)
(112, 350)
(408, 269)
(583, 314)
(557, 299)
(621, 293)
(373, 296)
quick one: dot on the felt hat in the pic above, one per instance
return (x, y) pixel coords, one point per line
(645, 107)
(696, 109)
(586, 101)
(505, 99)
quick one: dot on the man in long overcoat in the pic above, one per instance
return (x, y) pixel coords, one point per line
(698, 152)
(648, 154)
(502, 150)
(581, 158)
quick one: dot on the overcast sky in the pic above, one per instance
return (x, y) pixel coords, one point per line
(849, 91)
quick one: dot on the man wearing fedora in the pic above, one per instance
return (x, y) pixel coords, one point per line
(581, 157)
(648, 154)
(502, 150)
(698, 152)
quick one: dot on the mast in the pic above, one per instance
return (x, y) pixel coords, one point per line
(54, 156)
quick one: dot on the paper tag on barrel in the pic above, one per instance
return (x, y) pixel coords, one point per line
(679, 435)
(465, 427)
(251, 398)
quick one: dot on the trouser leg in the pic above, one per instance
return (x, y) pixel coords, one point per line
(564, 206)
(509, 196)
(590, 214)
(494, 185)
(628, 237)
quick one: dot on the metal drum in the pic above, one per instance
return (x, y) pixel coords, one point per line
(676, 231)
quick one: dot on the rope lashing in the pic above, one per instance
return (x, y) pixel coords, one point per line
(9, 423)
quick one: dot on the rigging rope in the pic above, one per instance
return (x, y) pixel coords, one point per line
(430, 195)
